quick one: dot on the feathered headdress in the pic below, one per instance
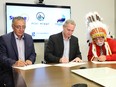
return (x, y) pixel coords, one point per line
(96, 28)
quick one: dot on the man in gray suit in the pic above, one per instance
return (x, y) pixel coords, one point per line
(16, 49)
(63, 47)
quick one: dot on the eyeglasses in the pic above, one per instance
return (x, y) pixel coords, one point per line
(19, 27)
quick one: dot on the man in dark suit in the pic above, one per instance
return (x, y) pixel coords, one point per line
(63, 47)
(16, 49)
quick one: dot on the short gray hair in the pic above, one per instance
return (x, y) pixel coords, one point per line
(69, 21)
(17, 18)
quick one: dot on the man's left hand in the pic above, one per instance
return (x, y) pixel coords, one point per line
(28, 62)
(102, 58)
(77, 59)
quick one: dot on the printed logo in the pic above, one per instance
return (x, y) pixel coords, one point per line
(33, 33)
(40, 16)
(62, 19)
(11, 18)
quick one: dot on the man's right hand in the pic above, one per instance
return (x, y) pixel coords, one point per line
(20, 63)
(64, 60)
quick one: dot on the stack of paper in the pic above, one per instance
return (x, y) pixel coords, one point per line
(105, 62)
(70, 64)
(104, 75)
(32, 66)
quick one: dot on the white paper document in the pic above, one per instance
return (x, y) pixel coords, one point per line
(32, 66)
(70, 64)
(104, 75)
(105, 62)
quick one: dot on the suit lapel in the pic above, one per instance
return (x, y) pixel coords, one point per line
(61, 43)
(70, 48)
(26, 45)
(13, 42)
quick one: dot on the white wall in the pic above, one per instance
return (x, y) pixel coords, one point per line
(79, 8)
(115, 18)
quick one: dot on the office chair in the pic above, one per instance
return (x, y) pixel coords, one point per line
(45, 45)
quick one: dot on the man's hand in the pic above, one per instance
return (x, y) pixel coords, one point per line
(77, 59)
(64, 60)
(28, 62)
(20, 63)
(102, 58)
(95, 59)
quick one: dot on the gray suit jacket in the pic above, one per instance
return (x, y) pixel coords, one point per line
(55, 47)
(9, 52)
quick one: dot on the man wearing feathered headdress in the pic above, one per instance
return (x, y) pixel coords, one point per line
(102, 47)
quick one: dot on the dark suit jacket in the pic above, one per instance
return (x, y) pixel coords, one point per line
(55, 47)
(9, 52)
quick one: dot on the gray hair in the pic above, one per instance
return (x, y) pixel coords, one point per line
(17, 18)
(69, 21)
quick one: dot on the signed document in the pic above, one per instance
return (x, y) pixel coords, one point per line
(70, 64)
(32, 66)
(105, 62)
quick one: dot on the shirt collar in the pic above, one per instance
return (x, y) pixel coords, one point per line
(65, 38)
(16, 37)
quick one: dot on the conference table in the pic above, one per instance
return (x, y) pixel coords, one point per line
(55, 76)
